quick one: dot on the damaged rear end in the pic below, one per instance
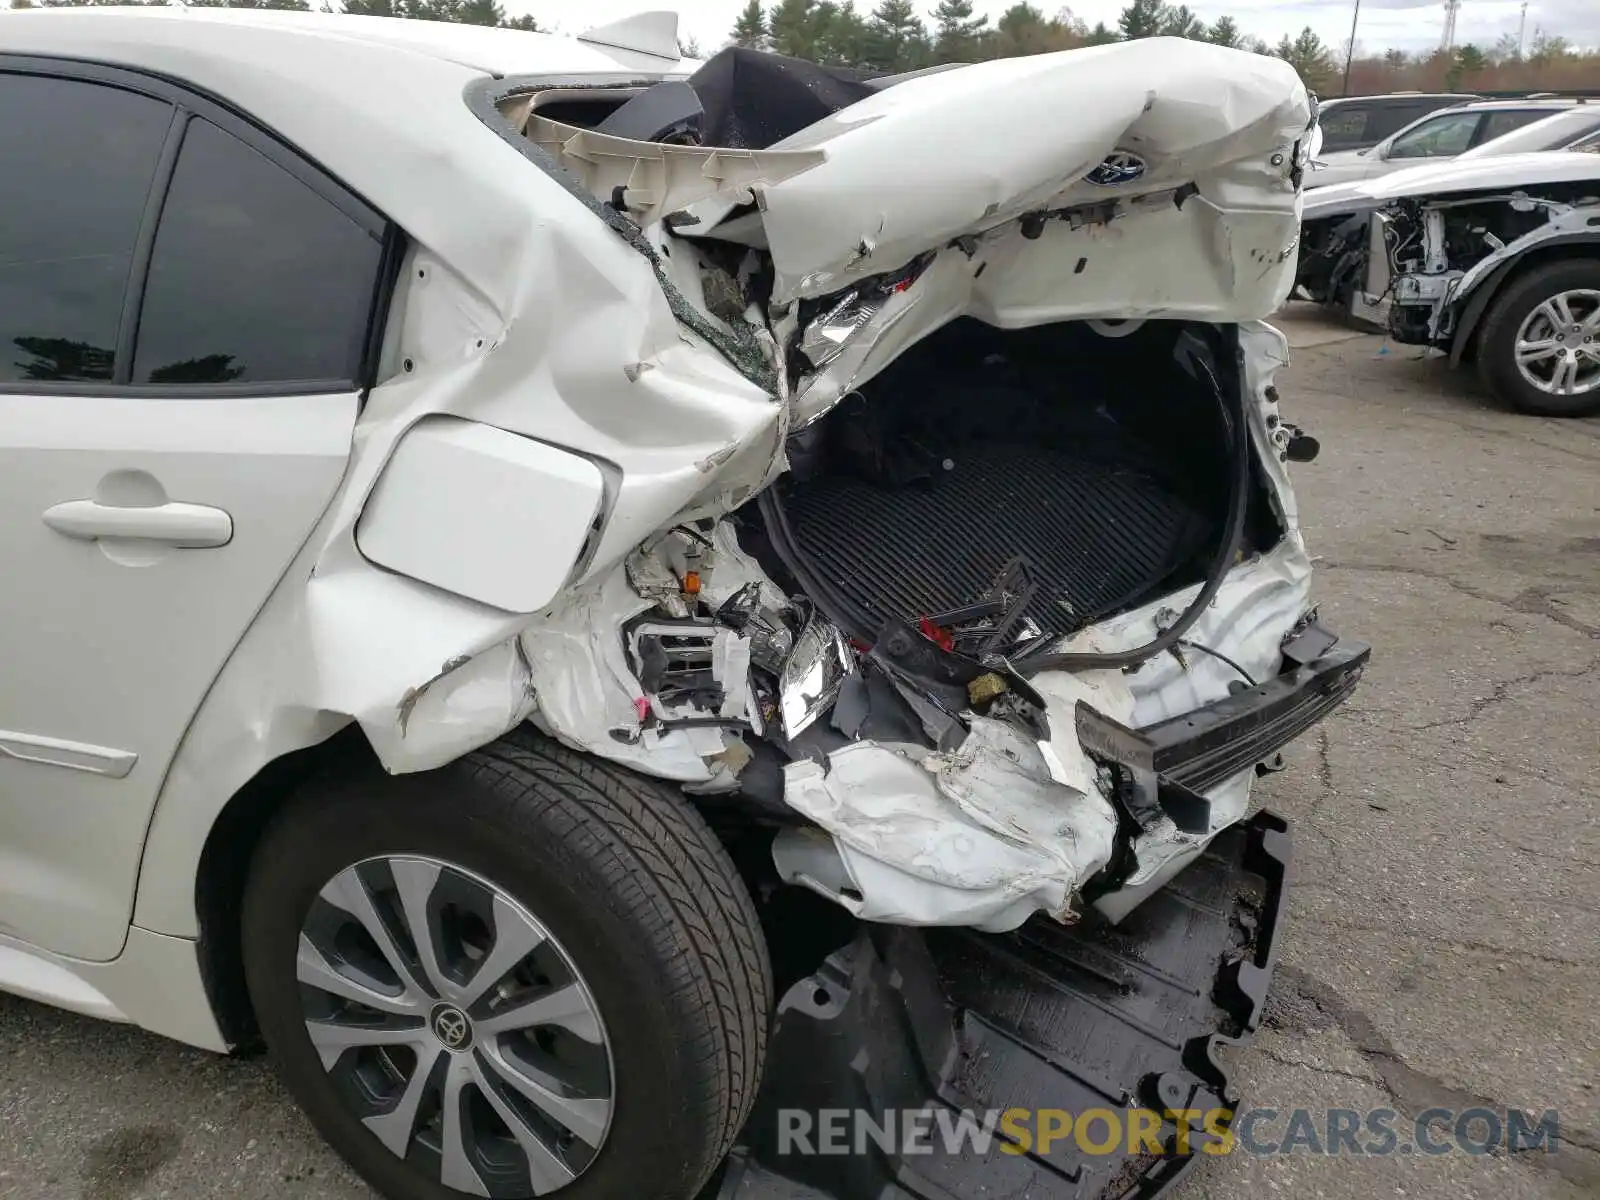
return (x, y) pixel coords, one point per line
(995, 620)
(1005, 613)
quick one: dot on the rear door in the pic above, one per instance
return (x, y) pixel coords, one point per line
(185, 312)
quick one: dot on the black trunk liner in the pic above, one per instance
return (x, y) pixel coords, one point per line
(1096, 537)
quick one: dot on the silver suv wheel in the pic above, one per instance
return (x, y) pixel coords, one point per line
(455, 1026)
(1558, 344)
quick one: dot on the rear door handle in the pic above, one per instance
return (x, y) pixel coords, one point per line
(189, 526)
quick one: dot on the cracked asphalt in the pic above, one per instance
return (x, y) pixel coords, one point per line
(1442, 947)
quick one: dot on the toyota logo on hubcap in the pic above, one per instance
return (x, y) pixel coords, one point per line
(451, 1027)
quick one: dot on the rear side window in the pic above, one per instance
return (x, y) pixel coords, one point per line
(77, 161)
(1508, 120)
(254, 276)
(1391, 118)
(1345, 127)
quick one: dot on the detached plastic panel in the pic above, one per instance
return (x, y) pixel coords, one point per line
(653, 179)
(1072, 1018)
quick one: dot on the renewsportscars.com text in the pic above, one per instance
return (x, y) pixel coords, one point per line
(1262, 1132)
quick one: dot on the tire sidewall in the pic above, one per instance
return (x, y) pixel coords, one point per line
(1497, 348)
(644, 1152)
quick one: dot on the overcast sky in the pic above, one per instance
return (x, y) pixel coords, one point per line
(1408, 24)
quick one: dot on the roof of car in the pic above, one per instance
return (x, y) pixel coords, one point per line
(237, 31)
(1537, 104)
(1397, 97)
(379, 102)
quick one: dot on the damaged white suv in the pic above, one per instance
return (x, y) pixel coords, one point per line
(449, 472)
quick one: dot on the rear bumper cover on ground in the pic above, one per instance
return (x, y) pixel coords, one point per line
(1089, 1016)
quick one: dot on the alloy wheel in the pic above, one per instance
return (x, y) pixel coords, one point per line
(1558, 344)
(456, 1027)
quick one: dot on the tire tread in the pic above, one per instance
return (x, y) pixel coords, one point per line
(657, 838)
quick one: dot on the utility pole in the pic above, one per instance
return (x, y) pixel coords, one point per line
(1350, 52)
(1448, 41)
(1522, 29)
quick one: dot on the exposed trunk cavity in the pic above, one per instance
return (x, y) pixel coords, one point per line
(1081, 469)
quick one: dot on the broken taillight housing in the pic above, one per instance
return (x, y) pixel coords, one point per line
(825, 336)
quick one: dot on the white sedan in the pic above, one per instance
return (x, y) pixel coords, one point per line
(444, 466)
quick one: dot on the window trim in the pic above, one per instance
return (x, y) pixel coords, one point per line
(187, 104)
(144, 243)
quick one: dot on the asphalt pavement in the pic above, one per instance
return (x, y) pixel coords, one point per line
(1442, 948)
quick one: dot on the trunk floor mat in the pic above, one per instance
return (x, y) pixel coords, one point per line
(1095, 537)
(1089, 1016)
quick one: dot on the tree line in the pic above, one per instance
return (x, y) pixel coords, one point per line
(893, 36)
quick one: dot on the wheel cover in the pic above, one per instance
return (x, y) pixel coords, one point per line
(456, 1027)
(1558, 344)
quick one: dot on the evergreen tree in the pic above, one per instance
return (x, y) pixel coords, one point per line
(958, 36)
(1310, 57)
(1180, 22)
(842, 34)
(792, 28)
(750, 30)
(896, 38)
(1142, 19)
(481, 12)
(1224, 31)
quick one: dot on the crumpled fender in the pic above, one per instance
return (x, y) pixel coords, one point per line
(427, 675)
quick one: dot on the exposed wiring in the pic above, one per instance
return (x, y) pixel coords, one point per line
(844, 612)
(1233, 416)
(691, 532)
(1219, 656)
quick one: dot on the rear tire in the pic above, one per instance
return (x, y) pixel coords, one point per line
(1512, 309)
(640, 904)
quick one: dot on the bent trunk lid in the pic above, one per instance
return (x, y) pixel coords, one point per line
(964, 153)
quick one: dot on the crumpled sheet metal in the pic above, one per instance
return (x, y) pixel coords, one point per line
(984, 836)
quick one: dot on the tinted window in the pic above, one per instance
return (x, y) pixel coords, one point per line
(1396, 115)
(1444, 136)
(1497, 123)
(76, 163)
(254, 276)
(1345, 127)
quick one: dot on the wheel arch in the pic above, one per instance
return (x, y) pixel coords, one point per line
(224, 867)
(1578, 244)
